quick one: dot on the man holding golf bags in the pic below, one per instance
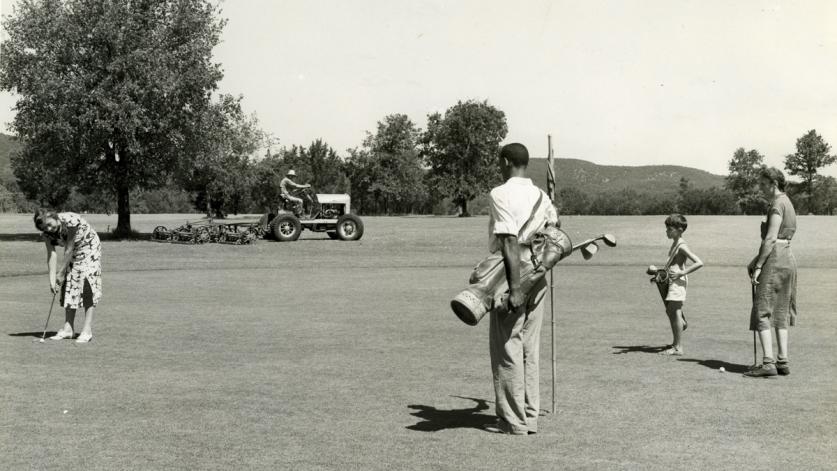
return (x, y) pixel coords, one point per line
(519, 210)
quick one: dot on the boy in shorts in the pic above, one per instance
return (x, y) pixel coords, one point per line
(678, 280)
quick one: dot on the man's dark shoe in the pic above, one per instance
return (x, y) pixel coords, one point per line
(762, 371)
(783, 368)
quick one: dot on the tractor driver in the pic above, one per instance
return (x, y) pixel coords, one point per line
(287, 184)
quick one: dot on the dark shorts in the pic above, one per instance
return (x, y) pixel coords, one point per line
(86, 294)
(674, 305)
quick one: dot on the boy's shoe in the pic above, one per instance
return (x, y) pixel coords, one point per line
(762, 371)
(783, 368)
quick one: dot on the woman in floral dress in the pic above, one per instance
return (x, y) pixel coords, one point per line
(80, 277)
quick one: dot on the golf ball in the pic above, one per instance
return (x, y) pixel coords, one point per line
(65, 411)
(721, 369)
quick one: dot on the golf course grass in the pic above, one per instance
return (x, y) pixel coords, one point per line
(321, 354)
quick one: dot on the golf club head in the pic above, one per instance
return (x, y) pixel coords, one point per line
(589, 250)
(609, 240)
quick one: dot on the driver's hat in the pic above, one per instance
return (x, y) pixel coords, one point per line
(291, 173)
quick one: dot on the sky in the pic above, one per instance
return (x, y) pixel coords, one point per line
(617, 82)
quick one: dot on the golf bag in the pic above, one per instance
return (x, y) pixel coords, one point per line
(660, 278)
(488, 289)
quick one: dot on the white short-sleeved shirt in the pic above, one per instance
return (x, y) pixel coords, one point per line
(511, 205)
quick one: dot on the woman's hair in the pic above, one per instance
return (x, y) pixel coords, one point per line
(773, 175)
(41, 214)
(677, 221)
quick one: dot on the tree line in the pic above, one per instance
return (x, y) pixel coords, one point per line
(119, 111)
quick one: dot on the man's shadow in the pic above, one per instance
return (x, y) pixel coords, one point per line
(716, 364)
(638, 348)
(434, 419)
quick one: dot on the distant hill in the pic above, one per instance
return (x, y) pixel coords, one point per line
(594, 178)
(590, 178)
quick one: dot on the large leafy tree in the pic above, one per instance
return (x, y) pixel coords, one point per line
(743, 178)
(386, 172)
(812, 154)
(218, 167)
(461, 149)
(109, 91)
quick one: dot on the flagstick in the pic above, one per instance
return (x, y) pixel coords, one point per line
(551, 189)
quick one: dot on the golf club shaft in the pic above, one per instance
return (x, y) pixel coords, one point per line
(587, 242)
(755, 351)
(48, 315)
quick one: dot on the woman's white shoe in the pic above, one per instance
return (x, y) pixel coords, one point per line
(84, 338)
(61, 335)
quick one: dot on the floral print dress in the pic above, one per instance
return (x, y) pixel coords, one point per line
(86, 264)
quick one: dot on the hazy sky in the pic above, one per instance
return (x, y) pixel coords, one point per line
(618, 82)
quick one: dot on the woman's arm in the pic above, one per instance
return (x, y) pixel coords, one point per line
(773, 223)
(69, 248)
(50, 252)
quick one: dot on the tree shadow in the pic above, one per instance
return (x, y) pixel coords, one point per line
(104, 236)
(21, 237)
(33, 334)
(434, 420)
(134, 235)
(638, 348)
(716, 364)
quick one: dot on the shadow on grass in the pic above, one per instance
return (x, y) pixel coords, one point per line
(715, 364)
(105, 236)
(434, 419)
(638, 348)
(33, 334)
(21, 237)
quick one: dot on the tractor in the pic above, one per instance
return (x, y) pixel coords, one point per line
(329, 213)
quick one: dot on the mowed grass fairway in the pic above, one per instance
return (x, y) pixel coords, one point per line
(322, 354)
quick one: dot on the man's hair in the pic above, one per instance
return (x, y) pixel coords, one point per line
(41, 214)
(773, 175)
(677, 221)
(516, 154)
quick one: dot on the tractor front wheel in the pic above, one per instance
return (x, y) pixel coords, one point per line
(286, 228)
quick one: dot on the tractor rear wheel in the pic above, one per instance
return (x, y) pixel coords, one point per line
(349, 227)
(286, 228)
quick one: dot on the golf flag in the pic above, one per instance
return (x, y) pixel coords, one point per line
(550, 172)
(550, 190)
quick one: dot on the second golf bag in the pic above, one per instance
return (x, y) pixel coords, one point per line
(488, 289)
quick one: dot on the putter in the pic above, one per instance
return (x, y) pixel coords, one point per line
(41, 340)
(753, 289)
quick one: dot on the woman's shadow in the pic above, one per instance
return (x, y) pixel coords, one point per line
(434, 419)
